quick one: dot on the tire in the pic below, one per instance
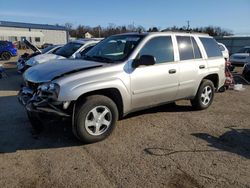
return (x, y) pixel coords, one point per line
(5, 56)
(35, 122)
(204, 96)
(95, 119)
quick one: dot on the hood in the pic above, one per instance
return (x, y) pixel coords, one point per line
(42, 58)
(31, 46)
(55, 69)
(46, 57)
(239, 55)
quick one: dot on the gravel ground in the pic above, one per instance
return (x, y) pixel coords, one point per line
(167, 146)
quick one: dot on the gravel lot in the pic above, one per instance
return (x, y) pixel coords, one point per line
(167, 146)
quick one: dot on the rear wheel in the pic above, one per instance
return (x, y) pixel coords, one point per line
(95, 119)
(204, 96)
(5, 56)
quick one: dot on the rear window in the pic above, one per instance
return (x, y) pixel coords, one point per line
(3, 43)
(211, 47)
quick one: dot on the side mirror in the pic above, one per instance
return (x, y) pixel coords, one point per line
(146, 60)
(78, 55)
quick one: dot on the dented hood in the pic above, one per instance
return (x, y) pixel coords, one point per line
(55, 69)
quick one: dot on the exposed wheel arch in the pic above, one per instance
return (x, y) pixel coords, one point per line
(113, 93)
(214, 78)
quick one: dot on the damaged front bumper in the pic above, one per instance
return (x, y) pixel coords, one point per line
(35, 102)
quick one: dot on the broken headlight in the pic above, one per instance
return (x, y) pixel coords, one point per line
(50, 88)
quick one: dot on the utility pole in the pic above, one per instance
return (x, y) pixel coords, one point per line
(188, 25)
(99, 31)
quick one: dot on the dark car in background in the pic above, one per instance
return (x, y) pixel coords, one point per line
(7, 50)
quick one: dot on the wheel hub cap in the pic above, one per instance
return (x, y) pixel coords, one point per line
(98, 120)
(206, 95)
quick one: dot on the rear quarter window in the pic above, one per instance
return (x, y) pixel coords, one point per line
(211, 47)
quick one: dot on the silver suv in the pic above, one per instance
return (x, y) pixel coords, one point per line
(122, 74)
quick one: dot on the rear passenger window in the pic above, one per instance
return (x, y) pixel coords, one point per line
(188, 48)
(197, 52)
(161, 48)
(185, 47)
(211, 47)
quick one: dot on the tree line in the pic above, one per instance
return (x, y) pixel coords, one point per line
(111, 29)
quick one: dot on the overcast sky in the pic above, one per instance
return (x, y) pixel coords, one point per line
(228, 14)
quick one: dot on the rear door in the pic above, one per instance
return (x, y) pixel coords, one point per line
(157, 83)
(192, 66)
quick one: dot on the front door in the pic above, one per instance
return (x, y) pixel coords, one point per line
(157, 83)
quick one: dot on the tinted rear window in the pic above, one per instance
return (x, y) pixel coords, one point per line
(211, 47)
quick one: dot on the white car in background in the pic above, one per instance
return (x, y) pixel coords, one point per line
(241, 57)
(224, 50)
(36, 51)
(70, 50)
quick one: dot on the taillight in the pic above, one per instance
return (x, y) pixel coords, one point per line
(13, 45)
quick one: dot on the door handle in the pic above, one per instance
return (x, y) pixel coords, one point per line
(202, 66)
(172, 71)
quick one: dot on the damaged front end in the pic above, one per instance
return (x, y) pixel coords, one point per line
(42, 100)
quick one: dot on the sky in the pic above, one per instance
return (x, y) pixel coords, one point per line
(228, 14)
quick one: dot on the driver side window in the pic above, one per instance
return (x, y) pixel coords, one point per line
(159, 47)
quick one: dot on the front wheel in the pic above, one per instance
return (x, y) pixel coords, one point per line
(95, 119)
(204, 96)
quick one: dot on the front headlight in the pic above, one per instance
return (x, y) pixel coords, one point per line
(50, 88)
(31, 62)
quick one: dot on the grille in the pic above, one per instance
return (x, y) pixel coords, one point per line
(32, 85)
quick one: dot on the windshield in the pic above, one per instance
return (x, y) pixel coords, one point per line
(68, 49)
(114, 49)
(45, 50)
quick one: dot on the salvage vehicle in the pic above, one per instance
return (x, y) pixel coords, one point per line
(246, 70)
(7, 50)
(122, 74)
(26, 56)
(241, 57)
(71, 50)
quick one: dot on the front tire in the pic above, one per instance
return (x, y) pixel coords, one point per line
(95, 119)
(204, 96)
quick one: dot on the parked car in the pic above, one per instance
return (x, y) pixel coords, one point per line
(224, 51)
(122, 74)
(45, 45)
(246, 70)
(71, 50)
(26, 56)
(7, 50)
(240, 58)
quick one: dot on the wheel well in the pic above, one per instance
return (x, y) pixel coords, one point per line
(112, 93)
(214, 78)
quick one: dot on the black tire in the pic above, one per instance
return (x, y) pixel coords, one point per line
(35, 122)
(5, 56)
(199, 102)
(101, 105)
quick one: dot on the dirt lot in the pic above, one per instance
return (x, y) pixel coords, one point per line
(161, 147)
